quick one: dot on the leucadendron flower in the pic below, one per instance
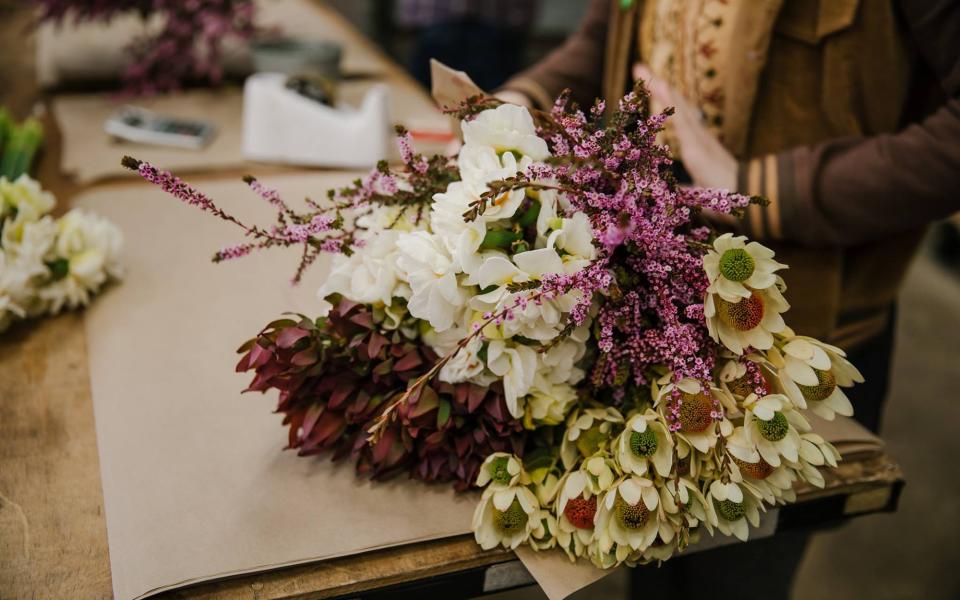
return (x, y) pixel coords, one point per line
(731, 509)
(588, 431)
(628, 518)
(773, 427)
(812, 374)
(506, 517)
(576, 507)
(644, 443)
(736, 267)
(749, 322)
(693, 410)
(500, 471)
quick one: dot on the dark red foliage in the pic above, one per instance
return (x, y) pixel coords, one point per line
(335, 374)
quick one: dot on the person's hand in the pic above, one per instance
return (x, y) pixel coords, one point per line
(704, 157)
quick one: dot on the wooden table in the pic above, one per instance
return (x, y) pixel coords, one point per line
(53, 541)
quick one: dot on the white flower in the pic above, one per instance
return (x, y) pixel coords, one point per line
(695, 412)
(588, 432)
(506, 517)
(548, 403)
(645, 441)
(576, 506)
(812, 374)
(25, 197)
(466, 364)
(506, 128)
(773, 428)
(479, 165)
(539, 320)
(544, 536)
(694, 510)
(731, 509)
(369, 275)
(500, 471)
(461, 239)
(575, 239)
(628, 516)
(749, 322)
(16, 291)
(559, 362)
(517, 365)
(383, 217)
(815, 452)
(427, 265)
(87, 249)
(735, 267)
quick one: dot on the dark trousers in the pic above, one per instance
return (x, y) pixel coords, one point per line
(488, 52)
(764, 569)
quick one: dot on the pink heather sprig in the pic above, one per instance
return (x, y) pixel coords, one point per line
(232, 252)
(324, 228)
(269, 194)
(645, 290)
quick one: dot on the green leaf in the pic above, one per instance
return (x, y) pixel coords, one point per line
(499, 239)
(529, 216)
(443, 413)
(59, 268)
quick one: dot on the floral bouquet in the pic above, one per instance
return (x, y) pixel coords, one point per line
(188, 46)
(46, 264)
(547, 317)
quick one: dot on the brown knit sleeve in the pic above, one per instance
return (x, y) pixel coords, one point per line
(577, 64)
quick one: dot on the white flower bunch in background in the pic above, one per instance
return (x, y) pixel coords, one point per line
(46, 264)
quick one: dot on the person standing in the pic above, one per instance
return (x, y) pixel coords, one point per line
(845, 114)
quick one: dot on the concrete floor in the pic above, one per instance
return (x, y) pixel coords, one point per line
(915, 552)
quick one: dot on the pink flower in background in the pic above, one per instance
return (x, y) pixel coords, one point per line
(187, 47)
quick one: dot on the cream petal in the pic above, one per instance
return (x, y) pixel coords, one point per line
(502, 499)
(689, 385)
(734, 493)
(718, 490)
(764, 412)
(839, 402)
(810, 453)
(769, 452)
(760, 280)
(740, 529)
(630, 491)
(539, 262)
(528, 501)
(497, 270)
(759, 251)
(651, 498)
(800, 372)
